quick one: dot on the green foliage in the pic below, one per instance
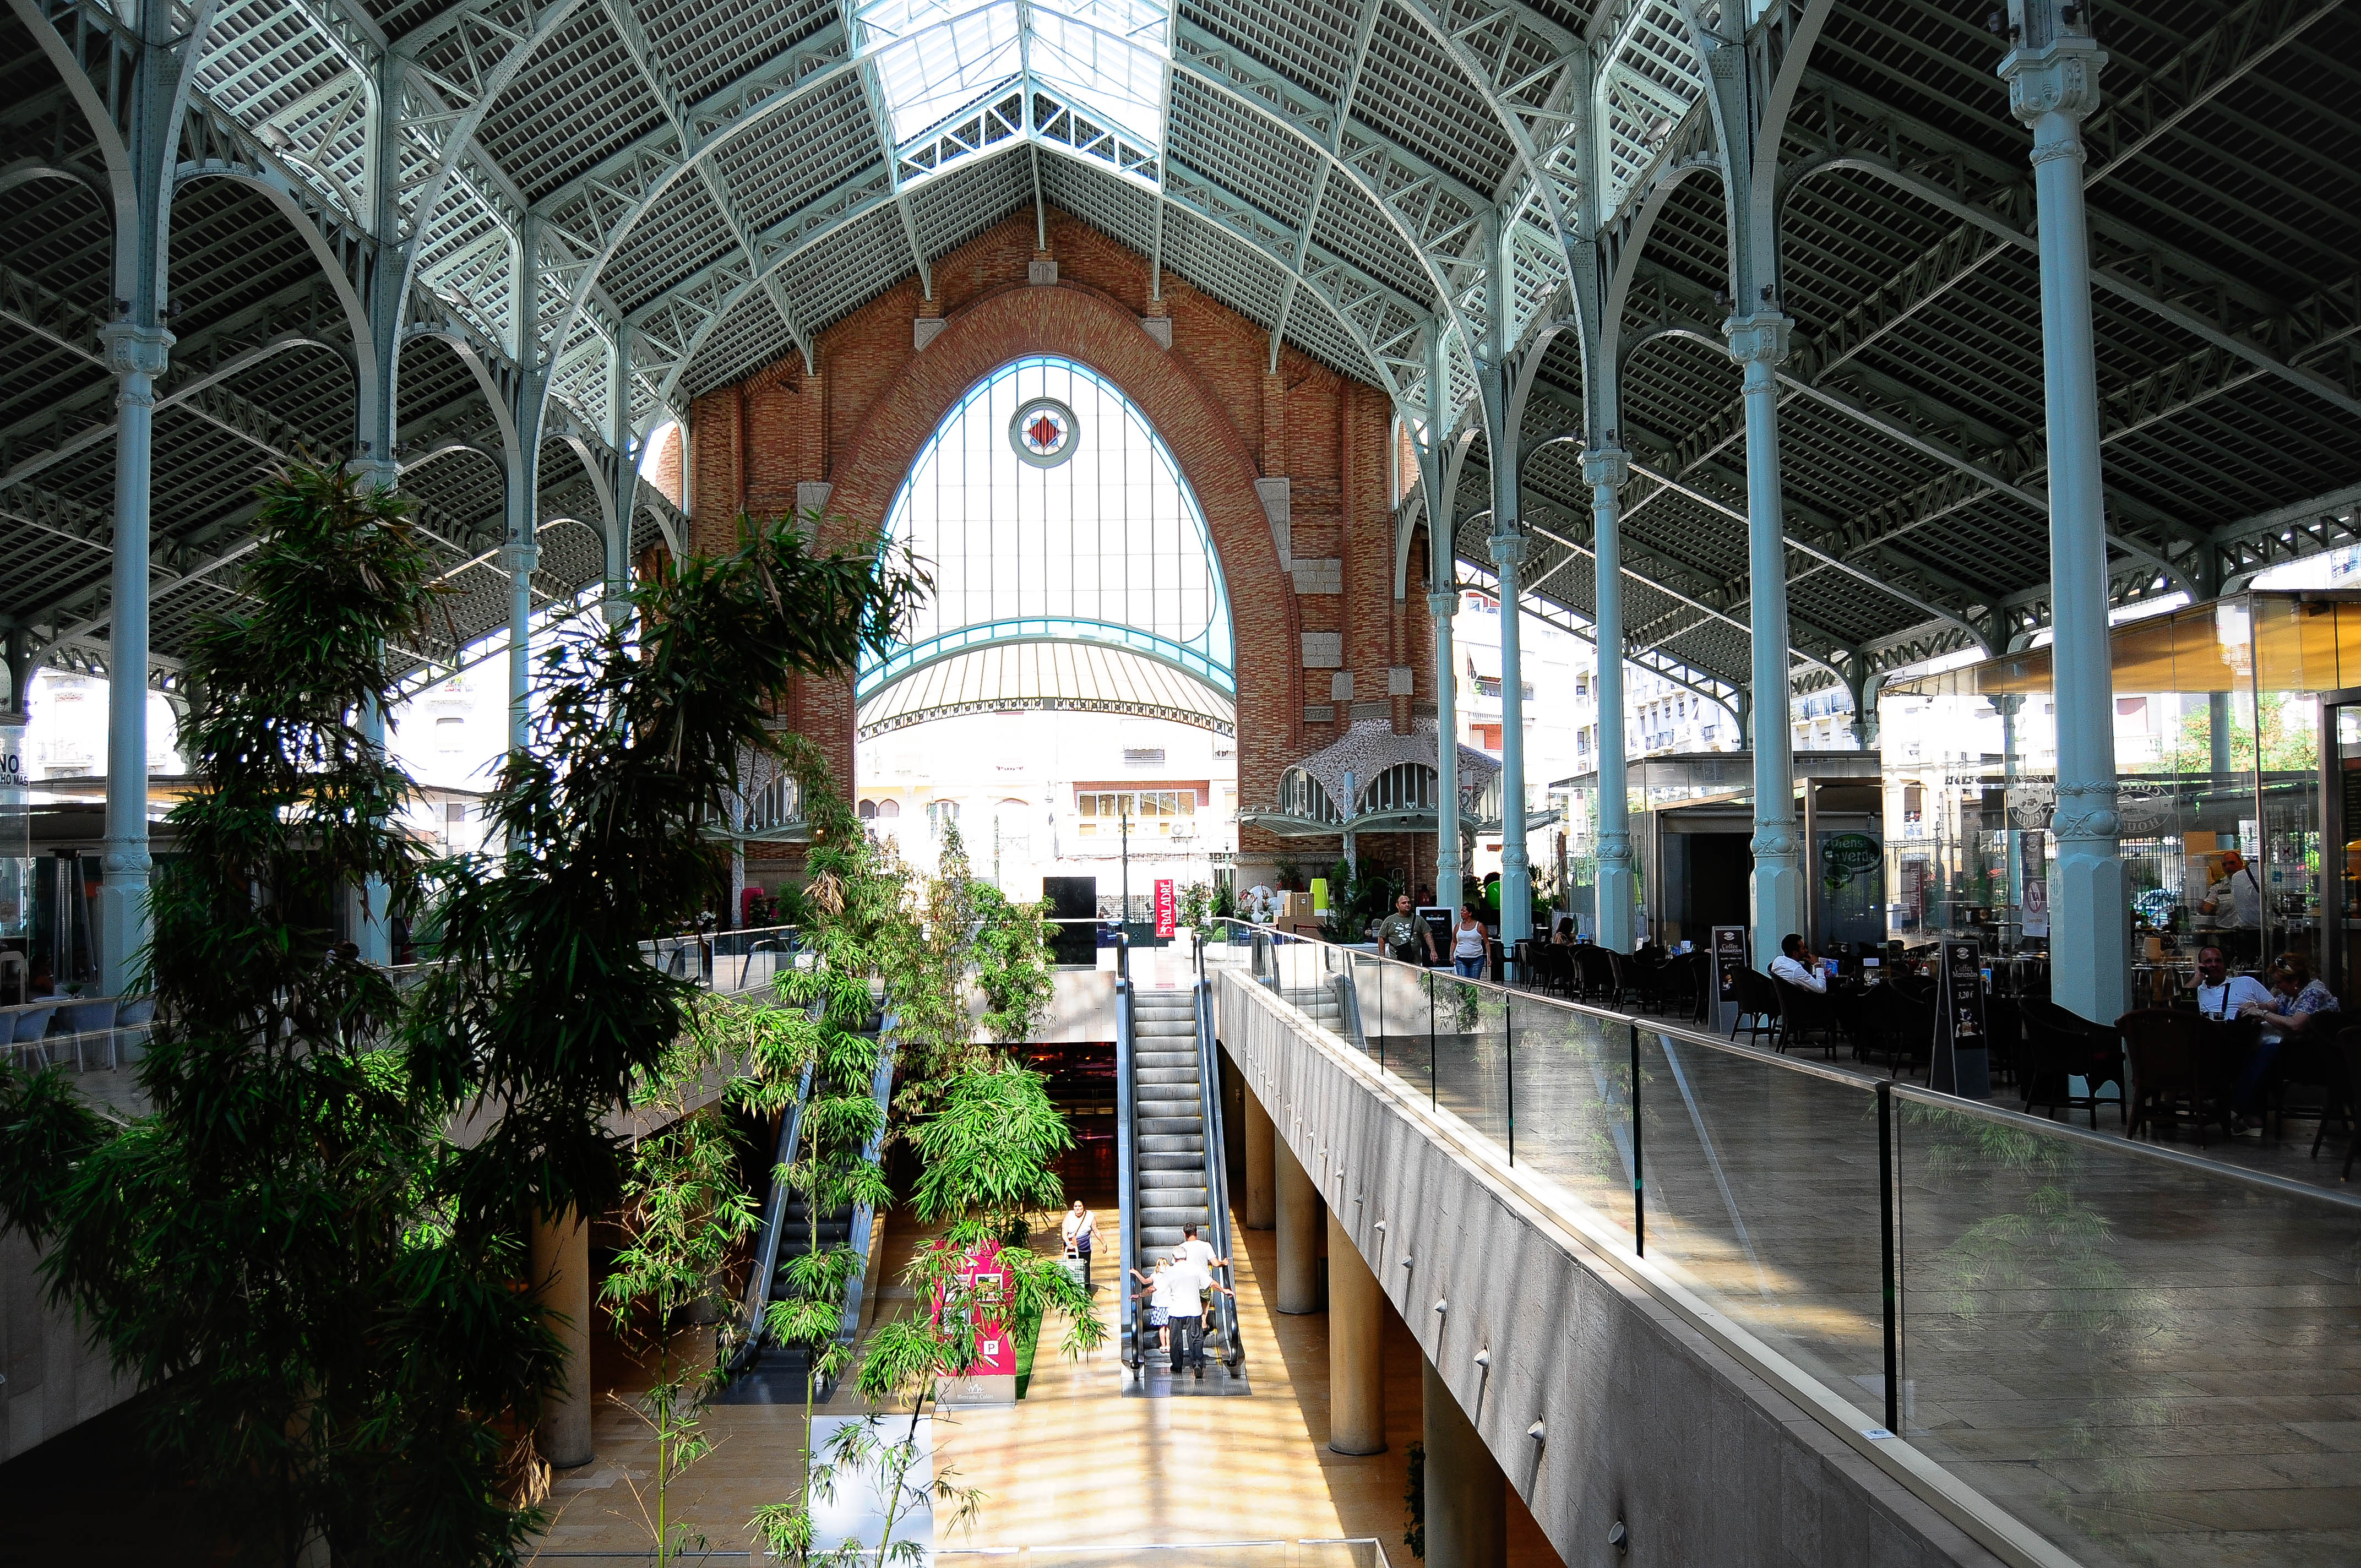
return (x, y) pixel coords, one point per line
(987, 1149)
(320, 1283)
(685, 1212)
(280, 1246)
(638, 745)
(1012, 966)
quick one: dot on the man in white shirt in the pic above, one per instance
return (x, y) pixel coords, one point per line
(1796, 966)
(2236, 902)
(2223, 995)
(1191, 1250)
(1180, 1293)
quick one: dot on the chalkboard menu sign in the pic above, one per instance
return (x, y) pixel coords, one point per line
(1962, 1054)
(1728, 957)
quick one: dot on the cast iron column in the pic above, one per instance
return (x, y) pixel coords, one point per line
(2053, 83)
(1516, 883)
(1443, 605)
(1759, 342)
(1606, 469)
(137, 354)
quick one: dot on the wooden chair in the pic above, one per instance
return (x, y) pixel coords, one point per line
(1807, 1018)
(1896, 1026)
(2059, 1046)
(2172, 1056)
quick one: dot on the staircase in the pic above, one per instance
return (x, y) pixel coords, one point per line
(1169, 1136)
(1324, 1005)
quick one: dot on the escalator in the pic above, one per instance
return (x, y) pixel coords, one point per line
(766, 1371)
(1170, 1168)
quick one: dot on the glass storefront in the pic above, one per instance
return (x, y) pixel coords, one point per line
(2219, 713)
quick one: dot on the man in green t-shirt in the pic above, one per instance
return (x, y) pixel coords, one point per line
(1404, 936)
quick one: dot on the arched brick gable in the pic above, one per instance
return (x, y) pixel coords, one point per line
(857, 423)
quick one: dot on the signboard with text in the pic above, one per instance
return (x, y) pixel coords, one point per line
(1962, 1059)
(1728, 959)
(1167, 906)
(983, 1295)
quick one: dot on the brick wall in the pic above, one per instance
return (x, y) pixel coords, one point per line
(857, 423)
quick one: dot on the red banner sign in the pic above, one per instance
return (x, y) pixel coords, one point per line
(1167, 906)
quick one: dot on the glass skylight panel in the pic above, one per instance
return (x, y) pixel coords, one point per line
(938, 62)
(934, 61)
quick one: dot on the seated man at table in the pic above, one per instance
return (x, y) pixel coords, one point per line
(2299, 1005)
(2222, 996)
(1796, 966)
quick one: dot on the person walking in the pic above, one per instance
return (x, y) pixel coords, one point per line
(1155, 1296)
(1471, 944)
(1080, 1230)
(1407, 938)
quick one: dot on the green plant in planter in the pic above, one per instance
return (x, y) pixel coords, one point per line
(686, 1212)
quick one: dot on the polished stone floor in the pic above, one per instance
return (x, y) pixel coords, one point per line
(2149, 1362)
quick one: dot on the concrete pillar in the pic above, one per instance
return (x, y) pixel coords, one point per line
(560, 1273)
(1467, 1494)
(2053, 83)
(1608, 469)
(1759, 342)
(1261, 1189)
(138, 355)
(1299, 1234)
(1357, 1342)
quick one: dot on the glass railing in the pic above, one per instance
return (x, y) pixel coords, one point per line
(2143, 1356)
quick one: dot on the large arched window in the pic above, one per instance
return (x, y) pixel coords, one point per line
(1047, 509)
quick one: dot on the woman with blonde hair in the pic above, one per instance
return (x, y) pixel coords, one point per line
(2301, 1004)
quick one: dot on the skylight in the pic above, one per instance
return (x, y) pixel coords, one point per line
(959, 77)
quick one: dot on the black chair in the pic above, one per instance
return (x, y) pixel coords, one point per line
(1638, 985)
(2004, 1036)
(2345, 1094)
(2306, 1061)
(1688, 985)
(1758, 1007)
(2059, 1046)
(1807, 1018)
(2174, 1060)
(1594, 968)
(1900, 1028)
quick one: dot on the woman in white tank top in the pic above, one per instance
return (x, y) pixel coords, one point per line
(1471, 945)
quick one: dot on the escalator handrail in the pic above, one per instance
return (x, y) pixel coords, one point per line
(1209, 1096)
(865, 1215)
(766, 1241)
(1125, 1118)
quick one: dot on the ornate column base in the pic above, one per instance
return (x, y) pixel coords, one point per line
(1776, 891)
(1616, 891)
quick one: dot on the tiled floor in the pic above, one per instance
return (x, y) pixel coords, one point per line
(1075, 1464)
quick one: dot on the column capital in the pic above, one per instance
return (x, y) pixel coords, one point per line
(2060, 77)
(516, 558)
(1508, 550)
(135, 350)
(377, 473)
(1759, 339)
(1443, 604)
(1608, 465)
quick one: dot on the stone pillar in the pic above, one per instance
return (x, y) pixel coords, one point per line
(1608, 469)
(1467, 1494)
(561, 1274)
(1299, 1234)
(1262, 1201)
(2053, 83)
(1443, 605)
(1759, 342)
(1357, 1344)
(136, 355)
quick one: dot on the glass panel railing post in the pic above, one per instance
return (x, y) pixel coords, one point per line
(1885, 1253)
(1638, 1184)
(1508, 1054)
(1434, 1095)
